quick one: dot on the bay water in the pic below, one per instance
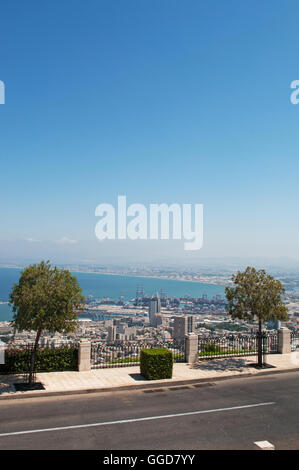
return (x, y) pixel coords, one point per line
(113, 286)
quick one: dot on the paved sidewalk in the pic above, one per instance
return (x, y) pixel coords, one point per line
(129, 377)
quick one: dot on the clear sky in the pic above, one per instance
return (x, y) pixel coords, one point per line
(159, 100)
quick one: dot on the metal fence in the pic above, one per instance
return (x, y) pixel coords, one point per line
(229, 345)
(212, 345)
(127, 353)
(294, 341)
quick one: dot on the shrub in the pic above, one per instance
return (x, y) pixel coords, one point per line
(222, 352)
(156, 363)
(210, 347)
(47, 360)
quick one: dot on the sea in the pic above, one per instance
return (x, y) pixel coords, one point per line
(113, 286)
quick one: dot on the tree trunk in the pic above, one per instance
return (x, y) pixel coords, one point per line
(260, 346)
(33, 356)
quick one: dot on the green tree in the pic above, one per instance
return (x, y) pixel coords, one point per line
(45, 298)
(256, 296)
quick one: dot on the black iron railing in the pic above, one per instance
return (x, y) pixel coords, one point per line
(294, 340)
(127, 353)
(216, 345)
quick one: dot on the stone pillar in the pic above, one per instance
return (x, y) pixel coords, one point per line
(191, 348)
(84, 356)
(284, 341)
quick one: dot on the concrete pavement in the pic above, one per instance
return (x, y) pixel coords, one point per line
(129, 377)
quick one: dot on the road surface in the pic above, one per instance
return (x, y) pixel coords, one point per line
(230, 415)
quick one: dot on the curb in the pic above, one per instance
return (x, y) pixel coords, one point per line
(151, 385)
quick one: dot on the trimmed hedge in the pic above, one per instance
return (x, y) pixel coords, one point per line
(156, 363)
(47, 360)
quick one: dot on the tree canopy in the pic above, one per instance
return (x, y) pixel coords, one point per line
(256, 296)
(46, 298)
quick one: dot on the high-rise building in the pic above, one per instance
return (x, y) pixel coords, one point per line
(158, 320)
(153, 308)
(158, 303)
(190, 327)
(182, 326)
(120, 328)
(111, 334)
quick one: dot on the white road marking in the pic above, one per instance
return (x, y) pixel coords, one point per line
(134, 420)
(265, 445)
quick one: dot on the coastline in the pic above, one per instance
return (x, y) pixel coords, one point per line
(132, 275)
(152, 277)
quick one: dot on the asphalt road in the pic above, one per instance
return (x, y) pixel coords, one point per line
(229, 415)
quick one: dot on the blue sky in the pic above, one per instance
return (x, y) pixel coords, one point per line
(160, 100)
